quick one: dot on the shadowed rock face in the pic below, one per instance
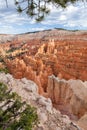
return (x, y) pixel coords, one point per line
(68, 95)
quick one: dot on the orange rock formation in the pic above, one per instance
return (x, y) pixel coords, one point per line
(39, 55)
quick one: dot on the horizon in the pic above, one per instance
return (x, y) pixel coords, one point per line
(74, 17)
(60, 29)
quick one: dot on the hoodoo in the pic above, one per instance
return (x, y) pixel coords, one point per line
(56, 60)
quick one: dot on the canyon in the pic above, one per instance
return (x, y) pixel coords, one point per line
(49, 117)
(56, 60)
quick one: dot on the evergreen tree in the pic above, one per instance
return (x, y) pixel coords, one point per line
(15, 114)
(38, 9)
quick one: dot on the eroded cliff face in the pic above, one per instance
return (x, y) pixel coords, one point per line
(68, 95)
(65, 59)
(49, 117)
(62, 53)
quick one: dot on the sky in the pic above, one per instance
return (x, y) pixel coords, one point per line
(74, 17)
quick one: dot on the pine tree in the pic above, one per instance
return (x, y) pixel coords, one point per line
(38, 9)
(15, 114)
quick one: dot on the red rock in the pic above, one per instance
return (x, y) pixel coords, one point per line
(62, 53)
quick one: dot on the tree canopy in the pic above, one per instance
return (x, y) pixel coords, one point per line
(39, 9)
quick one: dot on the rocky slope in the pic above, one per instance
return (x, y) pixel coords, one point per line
(4, 38)
(50, 118)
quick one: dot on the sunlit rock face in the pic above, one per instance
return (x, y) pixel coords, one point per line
(39, 55)
(83, 121)
(61, 52)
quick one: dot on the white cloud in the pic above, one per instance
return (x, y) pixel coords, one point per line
(72, 16)
(63, 17)
(36, 29)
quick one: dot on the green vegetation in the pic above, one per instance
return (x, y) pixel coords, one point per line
(5, 70)
(11, 50)
(39, 9)
(61, 29)
(1, 59)
(15, 114)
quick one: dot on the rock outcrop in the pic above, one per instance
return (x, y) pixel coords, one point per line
(70, 95)
(50, 118)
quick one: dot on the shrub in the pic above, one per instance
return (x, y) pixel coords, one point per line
(15, 114)
(1, 59)
(11, 50)
(5, 70)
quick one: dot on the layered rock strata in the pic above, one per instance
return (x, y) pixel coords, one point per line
(59, 52)
(63, 59)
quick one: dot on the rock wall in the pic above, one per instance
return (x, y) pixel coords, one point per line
(70, 95)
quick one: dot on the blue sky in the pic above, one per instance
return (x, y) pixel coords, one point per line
(73, 17)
